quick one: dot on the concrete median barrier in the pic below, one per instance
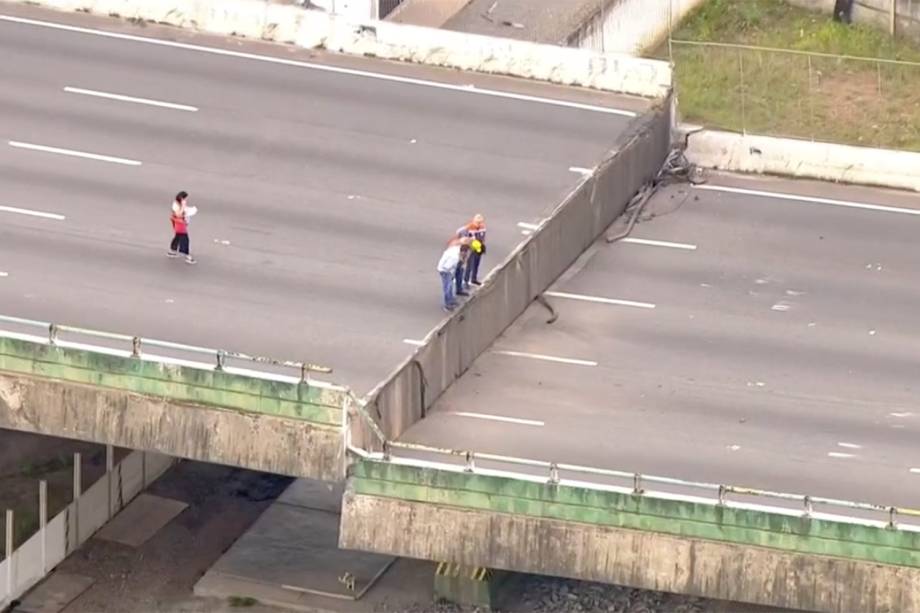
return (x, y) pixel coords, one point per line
(257, 19)
(805, 159)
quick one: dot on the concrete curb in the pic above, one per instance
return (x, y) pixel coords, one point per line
(393, 41)
(802, 159)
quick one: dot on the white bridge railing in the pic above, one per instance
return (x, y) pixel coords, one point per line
(219, 359)
(419, 455)
(557, 473)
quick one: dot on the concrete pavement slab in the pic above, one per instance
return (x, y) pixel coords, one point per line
(141, 519)
(54, 593)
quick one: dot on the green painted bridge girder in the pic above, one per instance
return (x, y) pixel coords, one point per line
(723, 523)
(321, 405)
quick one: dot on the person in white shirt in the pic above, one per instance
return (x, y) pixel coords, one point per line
(447, 268)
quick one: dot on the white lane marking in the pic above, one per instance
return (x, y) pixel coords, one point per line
(614, 301)
(916, 471)
(837, 454)
(123, 98)
(31, 213)
(4, 274)
(527, 228)
(645, 241)
(510, 420)
(809, 199)
(903, 414)
(546, 358)
(74, 153)
(413, 342)
(849, 445)
(781, 306)
(471, 89)
(580, 170)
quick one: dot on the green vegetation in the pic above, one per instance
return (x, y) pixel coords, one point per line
(794, 94)
(242, 601)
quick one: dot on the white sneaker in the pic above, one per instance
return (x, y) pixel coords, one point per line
(190, 260)
(171, 253)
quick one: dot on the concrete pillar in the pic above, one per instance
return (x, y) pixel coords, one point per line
(470, 586)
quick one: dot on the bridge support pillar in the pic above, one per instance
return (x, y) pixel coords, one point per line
(468, 585)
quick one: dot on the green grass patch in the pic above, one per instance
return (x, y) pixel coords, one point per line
(789, 94)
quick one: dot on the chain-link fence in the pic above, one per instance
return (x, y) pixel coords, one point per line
(776, 92)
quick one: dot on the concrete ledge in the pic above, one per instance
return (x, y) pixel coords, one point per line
(320, 405)
(814, 160)
(430, 46)
(116, 417)
(640, 541)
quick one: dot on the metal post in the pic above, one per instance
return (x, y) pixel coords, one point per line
(470, 462)
(9, 552)
(52, 334)
(77, 491)
(603, 24)
(670, 29)
(109, 469)
(136, 347)
(808, 506)
(722, 493)
(553, 474)
(637, 485)
(221, 358)
(811, 110)
(43, 521)
(893, 518)
(894, 17)
(743, 110)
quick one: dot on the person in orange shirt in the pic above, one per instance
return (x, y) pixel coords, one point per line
(474, 230)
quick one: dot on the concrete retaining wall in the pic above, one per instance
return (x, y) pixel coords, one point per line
(675, 546)
(77, 522)
(393, 41)
(815, 160)
(633, 27)
(875, 12)
(202, 415)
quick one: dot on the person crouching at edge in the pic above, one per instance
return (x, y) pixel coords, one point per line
(451, 261)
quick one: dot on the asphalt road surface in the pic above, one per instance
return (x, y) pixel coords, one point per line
(769, 342)
(326, 196)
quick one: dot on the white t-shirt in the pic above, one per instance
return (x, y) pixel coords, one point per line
(450, 259)
(187, 211)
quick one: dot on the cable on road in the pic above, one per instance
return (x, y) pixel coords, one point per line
(676, 169)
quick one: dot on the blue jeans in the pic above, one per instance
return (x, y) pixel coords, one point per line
(458, 277)
(471, 270)
(447, 288)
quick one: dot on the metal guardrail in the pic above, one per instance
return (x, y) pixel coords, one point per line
(638, 482)
(51, 333)
(553, 470)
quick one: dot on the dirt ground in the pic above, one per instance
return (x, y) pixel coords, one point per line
(158, 577)
(26, 459)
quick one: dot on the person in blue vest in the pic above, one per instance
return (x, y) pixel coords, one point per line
(476, 230)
